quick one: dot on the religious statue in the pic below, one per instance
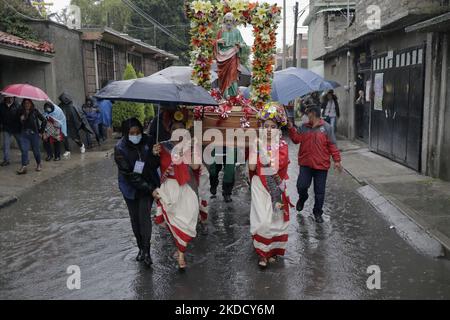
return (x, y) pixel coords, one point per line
(227, 53)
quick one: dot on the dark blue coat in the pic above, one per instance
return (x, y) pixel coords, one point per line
(133, 185)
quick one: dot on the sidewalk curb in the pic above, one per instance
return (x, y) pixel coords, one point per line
(405, 221)
(7, 202)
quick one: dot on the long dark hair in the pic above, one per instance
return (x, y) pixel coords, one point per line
(23, 105)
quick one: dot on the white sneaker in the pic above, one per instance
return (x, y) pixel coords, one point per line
(83, 149)
(66, 155)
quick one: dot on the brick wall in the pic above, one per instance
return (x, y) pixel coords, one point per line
(89, 68)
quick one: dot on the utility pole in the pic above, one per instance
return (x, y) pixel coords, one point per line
(348, 50)
(295, 35)
(284, 35)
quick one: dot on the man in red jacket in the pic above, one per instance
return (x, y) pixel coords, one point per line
(318, 145)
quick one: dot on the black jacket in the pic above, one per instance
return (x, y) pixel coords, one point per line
(336, 103)
(9, 118)
(134, 185)
(76, 120)
(31, 121)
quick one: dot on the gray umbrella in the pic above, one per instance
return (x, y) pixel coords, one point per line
(169, 86)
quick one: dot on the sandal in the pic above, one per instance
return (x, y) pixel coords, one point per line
(181, 262)
(273, 259)
(22, 170)
(262, 263)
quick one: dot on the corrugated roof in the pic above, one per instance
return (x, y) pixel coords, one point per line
(20, 42)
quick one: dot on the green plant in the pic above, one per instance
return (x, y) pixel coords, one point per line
(123, 110)
(12, 18)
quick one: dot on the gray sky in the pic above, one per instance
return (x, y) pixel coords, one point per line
(247, 32)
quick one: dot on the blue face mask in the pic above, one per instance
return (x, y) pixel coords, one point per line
(135, 139)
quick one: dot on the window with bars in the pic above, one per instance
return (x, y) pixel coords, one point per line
(105, 65)
(136, 62)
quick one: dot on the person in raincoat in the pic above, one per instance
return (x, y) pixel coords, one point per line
(55, 131)
(270, 204)
(76, 122)
(178, 206)
(105, 107)
(93, 116)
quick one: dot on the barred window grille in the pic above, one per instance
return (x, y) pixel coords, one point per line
(105, 65)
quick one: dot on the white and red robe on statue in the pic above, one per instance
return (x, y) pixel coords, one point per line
(178, 206)
(269, 222)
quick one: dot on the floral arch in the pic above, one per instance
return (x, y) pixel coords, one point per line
(262, 16)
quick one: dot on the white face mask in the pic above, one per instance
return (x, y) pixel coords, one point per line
(135, 139)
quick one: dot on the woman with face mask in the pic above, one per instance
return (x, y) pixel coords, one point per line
(138, 179)
(55, 131)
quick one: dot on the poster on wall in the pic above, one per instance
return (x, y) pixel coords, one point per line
(378, 91)
(368, 89)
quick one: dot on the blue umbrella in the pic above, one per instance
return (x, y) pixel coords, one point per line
(329, 85)
(291, 83)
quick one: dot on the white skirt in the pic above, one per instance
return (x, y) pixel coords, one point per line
(179, 209)
(269, 230)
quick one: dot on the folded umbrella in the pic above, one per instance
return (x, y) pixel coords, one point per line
(25, 91)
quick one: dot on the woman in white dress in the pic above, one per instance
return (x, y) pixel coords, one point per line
(178, 205)
(270, 205)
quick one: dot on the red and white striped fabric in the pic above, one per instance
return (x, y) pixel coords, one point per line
(204, 193)
(179, 209)
(269, 229)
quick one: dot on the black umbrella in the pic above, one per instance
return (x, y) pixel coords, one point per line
(166, 86)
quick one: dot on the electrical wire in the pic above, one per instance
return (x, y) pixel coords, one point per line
(22, 14)
(153, 21)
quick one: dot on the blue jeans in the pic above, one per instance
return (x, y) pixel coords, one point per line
(320, 181)
(30, 139)
(7, 138)
(332, 122)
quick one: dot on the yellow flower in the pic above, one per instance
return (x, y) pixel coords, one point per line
(238, 5)
(208, 7)
(178, 116)
(197, 6)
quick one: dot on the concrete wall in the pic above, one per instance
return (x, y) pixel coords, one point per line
(396, 41)
(26, 66)
(316, 44)
(336, 69)
(392, 11)
(68, 61)
(436, 131)
(445, 148)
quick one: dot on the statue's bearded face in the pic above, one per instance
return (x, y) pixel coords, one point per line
(229, 22)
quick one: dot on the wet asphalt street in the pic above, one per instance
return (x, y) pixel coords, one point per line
(81, 219)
